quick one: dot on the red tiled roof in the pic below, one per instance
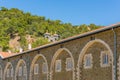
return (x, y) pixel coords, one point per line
(5, 54)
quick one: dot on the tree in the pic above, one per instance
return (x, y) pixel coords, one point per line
(14, 21)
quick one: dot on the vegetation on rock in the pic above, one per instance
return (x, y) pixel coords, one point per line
(14, 23)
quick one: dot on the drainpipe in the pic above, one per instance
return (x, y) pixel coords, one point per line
(115, 55)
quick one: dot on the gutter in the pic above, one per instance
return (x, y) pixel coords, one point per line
(115, 55)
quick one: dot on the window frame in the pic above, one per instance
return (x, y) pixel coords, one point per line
(11, 72)
(8, 73)
(68, 61)
(24, 70)
(20, 71)
(58, 64)
(91, 61)
(102, 59)
(44, 68)
(36, 68)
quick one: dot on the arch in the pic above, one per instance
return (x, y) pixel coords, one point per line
(118, 67)
(54, 58)
(33, 62)
(85, 49)
(17, 67)
(5, 70)
(1, 72)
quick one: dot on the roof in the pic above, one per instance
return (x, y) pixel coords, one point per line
(69, 39)
(5, 54)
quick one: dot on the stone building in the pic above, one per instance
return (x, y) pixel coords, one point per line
(50, 37)
(94, 55)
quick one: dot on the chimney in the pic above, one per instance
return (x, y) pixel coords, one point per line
(29, 46)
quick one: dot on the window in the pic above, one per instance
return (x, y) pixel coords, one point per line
(104, 59)
(36, 69)
(88, 61)
(44, 68)
(25, 71)
(58, 66)
(8, 72)
(20, 71)
(11, 72)
(69, 64)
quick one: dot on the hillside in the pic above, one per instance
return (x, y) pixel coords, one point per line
(18, 29)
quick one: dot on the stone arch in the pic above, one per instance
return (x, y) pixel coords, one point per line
(118, 68)
(82, 53)
(33, 62)
(54, 58)
(5, 70)
(21, 61)
(1, 72)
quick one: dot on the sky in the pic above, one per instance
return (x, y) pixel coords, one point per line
(76, 12)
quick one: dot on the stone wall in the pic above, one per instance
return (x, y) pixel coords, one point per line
(75, 49)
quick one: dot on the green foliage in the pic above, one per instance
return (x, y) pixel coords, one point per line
(39, 42)
(14, 21)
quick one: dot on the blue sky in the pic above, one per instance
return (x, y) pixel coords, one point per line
(77, 12)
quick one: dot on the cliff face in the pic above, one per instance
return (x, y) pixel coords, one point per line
(14, 43)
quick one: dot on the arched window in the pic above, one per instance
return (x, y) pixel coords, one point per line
(9, 72)
(0, 73)
(39, 68)
(62, 65)
(22, 72)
